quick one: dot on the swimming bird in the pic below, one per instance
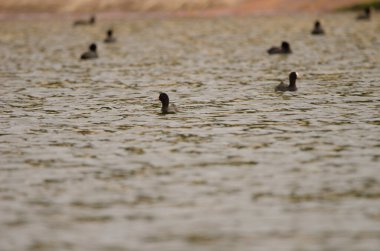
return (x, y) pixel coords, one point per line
(366, 15)
(284, 49)
(91, 53)
(292, 84)
(91, 21)
(109, 38)
(166, 107)
(318, 30)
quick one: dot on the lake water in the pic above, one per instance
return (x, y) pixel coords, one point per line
(88, 163)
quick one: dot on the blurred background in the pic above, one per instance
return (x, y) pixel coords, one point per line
(221, 6)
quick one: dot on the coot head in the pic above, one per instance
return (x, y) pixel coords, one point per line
(285, 46)
(93, 47)
(164, 98)
(292, 78)
(293, 75)
(367, 11)
(110, 32)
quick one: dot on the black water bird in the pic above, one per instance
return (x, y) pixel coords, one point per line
(292, 84)
(91, 21)
(284, 49)
(366, 15)
(110, 38)
(318, 30)
(91, 53)
(166, 108)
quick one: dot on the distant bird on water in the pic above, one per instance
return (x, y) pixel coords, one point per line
(91, 21)
(318, 30)
(284, 49)
(366, 15)
(110, 38)
(90, 54)
(292, 84)
(166, 107)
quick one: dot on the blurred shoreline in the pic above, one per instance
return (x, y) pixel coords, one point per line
(47, 9)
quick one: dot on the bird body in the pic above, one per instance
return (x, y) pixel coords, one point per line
(167, 108)
(171, 109)
(91, 21)
(90, 54)
(317, 30)
(284, 49)
(366, 15)
(109, 38)
(282, 87)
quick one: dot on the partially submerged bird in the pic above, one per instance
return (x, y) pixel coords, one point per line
(366, 15)
(166, 107)
(91, 21)
(90, 54)
(318, 30)
(109, 38)
(284, 49)
(292, 84)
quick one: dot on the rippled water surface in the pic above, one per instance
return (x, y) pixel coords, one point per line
(88, 163)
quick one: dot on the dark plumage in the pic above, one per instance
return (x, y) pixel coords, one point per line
(284, 49)
(91, 21)
(166, 108)
(318, 30)
(109, 38)
(90, 54)
(366, 15)
(292, 84)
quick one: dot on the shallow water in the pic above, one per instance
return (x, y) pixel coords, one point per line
(88, 163)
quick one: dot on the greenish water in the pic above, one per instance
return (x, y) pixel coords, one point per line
(88, 163)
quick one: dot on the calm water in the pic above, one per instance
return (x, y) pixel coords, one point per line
(88, 163)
